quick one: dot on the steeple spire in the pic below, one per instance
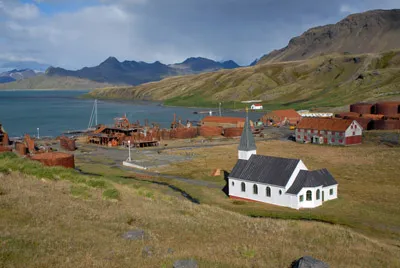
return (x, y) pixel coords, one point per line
(247, 145)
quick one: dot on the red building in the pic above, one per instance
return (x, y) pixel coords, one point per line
(331, 131)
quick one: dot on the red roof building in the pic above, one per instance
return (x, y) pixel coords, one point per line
(331, 131)
(282, 116)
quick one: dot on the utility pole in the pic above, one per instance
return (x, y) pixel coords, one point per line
(129, 147)
(38, 136)
(220, 114)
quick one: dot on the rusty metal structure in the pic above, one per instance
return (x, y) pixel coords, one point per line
(363, 108)
(233, 132)
(55, 159)
(4, 141)
(67, 144)
(379, 116)
(388, 108)
(210, 131)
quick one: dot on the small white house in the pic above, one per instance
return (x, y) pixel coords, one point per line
(278, 181)
(256, 106)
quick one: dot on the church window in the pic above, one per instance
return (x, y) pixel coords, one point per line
(243, 187)
(318, 194)
(309, 195)
(233, 183)
(255, 189)
(280, 192)
(268, 191)
(331, 191)
(301, 198)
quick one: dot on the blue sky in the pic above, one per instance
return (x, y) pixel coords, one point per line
(77, 33)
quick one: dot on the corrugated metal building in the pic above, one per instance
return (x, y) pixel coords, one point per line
(331, 131)
(281, 116)
(224, 121)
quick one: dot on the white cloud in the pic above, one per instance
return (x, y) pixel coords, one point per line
(17, 11)
(168, 31)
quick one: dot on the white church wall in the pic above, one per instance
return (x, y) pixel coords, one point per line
(300, 166)
(245, 155)
(314, 202)
(278, 196)
(328, 195)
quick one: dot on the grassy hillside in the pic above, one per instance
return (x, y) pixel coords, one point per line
(53, 82)
(45, 221)
(324, 81)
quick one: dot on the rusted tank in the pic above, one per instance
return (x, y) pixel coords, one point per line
(165, 134)
(373, 116)
(365, 123)
(55, 159)
(388, 124)
(5, 141)
(5, 149)
(362, 108)
(210, 131)
(348, 115)
(387, 108)
(67, 143)
(184, 133)
(30, 143)
(21, 148)
(233, 132)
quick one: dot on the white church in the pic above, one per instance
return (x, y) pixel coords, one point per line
(278, 181)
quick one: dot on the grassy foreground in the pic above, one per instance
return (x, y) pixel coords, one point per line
(368, 177)
(44, 224)
(324, 81)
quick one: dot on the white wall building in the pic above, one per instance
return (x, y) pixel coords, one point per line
(256, 106)
(278, 181)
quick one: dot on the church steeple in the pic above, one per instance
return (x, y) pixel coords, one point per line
(247, 145)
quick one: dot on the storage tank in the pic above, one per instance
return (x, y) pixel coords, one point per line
(233, 132)
(348, 114)
(210, 131)
(362, 108)
(21, 148)
(387, 108)
(184, 133)
(387, 124)
(67, 144)
(55, 159)
(5, 149)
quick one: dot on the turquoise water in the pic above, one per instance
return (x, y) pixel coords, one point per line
(55, 112)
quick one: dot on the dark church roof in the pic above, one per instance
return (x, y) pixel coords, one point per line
(247, 142)
(265, 169)
(315, 178)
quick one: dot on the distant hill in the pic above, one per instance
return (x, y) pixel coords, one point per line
(370, 32)
(56, 82)
(325, 81)
(14, 75)
(136, 73)
(32, 65)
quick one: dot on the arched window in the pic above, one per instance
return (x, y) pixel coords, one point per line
(268, 192)
(318, 194)
(255, 189)
(233, 183)
(309, 195)
(243, 187)
(280, 192)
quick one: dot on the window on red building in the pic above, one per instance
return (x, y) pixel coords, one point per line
(354, 133)
(298, 136)
(333, 139)
(340, 141)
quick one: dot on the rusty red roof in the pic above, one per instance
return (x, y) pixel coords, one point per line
(290, 113)
(331, 124)
(223, 119)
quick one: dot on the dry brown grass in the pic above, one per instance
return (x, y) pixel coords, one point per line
(368, 177)
(42, 225)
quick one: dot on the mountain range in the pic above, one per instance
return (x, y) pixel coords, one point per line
(14, 75)
(370, 32)
(135, 73)
(357, 59)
